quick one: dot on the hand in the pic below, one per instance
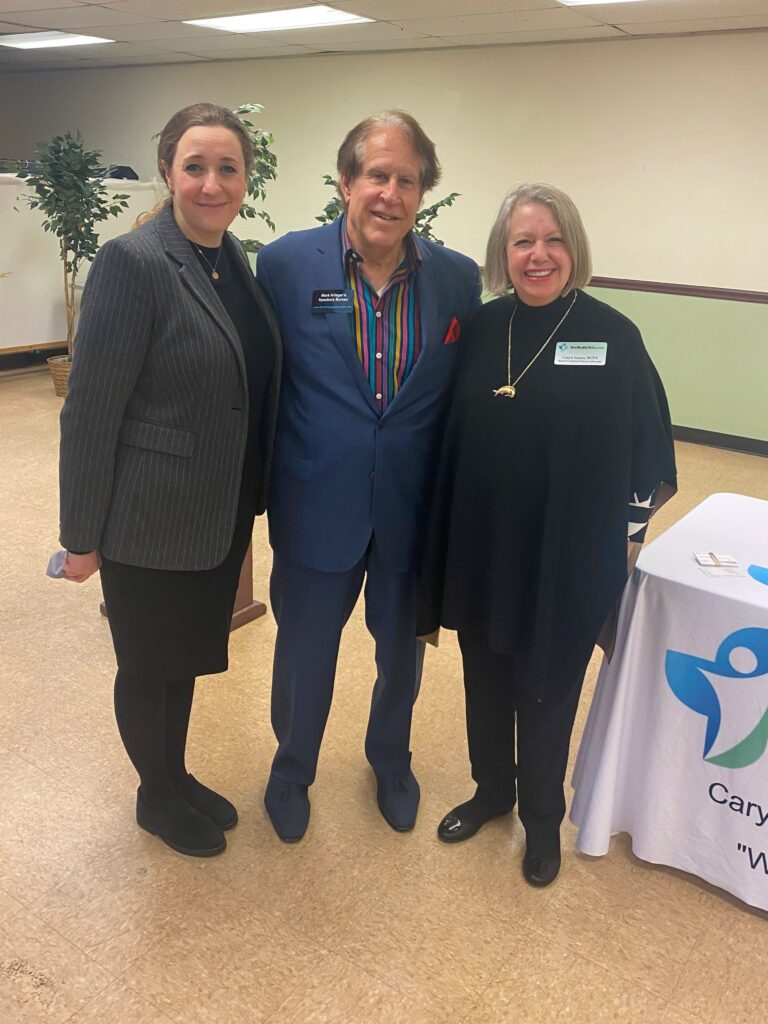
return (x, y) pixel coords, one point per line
(78, 568)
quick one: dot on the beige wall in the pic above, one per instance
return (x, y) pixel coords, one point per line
(662, 142)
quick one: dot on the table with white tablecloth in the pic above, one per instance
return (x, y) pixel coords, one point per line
(674, 749)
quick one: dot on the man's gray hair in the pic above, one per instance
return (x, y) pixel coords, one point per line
(352, 150)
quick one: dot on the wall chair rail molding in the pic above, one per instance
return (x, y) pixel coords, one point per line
(696, 291)
(710, 346)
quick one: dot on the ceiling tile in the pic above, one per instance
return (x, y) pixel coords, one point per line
(186, 9)
(251, 53)
(102, 51)
(394, 10)
(8, 56)
(159, 30)
(146, 32)
(69, 18)
(340, 34)
(33, 5)
(37, 66)
(6, 26)
(542, 35)
(422, 43)
(156, 59)
(696, 25)
(210, 42)
(673, 10)
(479, 24)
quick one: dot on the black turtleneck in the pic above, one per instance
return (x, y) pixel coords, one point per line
(258, 351)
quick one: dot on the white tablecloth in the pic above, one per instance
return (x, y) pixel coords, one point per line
(674, 749)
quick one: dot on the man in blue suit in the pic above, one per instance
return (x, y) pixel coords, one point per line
(368, 313)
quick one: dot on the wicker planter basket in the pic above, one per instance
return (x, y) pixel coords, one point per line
(60, 367)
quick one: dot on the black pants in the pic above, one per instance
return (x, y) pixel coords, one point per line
(496, 703)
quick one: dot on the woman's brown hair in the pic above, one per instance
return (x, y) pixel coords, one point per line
(197, 115)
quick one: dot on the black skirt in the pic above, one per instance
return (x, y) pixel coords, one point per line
(170, 625)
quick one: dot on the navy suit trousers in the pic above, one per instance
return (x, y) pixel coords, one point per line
(311, 609)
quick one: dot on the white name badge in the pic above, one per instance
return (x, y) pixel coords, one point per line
(580, 353)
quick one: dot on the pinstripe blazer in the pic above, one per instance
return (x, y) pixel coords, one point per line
(154, 427)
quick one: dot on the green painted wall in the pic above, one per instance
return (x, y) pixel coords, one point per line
(711, 354)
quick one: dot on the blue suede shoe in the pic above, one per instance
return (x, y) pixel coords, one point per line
(398, 800)
(287, 805)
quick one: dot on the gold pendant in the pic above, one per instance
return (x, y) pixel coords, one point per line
(508, 391)
(215, 275)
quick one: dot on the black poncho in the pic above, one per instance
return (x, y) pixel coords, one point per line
(528, 537)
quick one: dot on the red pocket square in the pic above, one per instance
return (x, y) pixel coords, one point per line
(453, 332)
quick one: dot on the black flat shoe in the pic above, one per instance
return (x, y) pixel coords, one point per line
(398, 799)
(287, 805)
(181, 827)
(213, 805)
(540, 871)
(467, 819)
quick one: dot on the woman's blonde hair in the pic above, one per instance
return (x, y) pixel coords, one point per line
(568, 219)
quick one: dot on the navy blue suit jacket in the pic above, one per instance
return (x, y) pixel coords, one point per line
(341, 470)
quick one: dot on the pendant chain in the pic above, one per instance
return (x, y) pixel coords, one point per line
(509, 390)
(213, 266)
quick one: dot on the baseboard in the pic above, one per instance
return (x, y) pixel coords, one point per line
(30, 355)
(731, 442)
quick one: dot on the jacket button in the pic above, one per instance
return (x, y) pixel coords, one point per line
(371, 475)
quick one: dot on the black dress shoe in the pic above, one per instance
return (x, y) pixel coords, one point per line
(287, 805)
(213, 805)
(398, 799)
(540, 871)
(467, 819)
(181, 827)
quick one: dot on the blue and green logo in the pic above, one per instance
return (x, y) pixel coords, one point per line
(693, 681)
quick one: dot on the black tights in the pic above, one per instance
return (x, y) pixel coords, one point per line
(153, 719)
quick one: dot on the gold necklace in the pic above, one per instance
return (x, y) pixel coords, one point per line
(213, 266)
(509, 390)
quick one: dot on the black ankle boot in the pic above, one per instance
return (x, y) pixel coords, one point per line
(214, 806)
(181, 827)
(540, 871)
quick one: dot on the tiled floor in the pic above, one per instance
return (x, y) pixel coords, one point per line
(101, 924)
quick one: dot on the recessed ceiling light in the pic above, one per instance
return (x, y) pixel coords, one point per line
(280, 21)
(41, 40)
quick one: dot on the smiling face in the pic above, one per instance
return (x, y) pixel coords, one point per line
(538, 263)
(384, 196)
(207, 182)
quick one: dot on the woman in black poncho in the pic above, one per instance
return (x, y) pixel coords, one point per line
(557, 448)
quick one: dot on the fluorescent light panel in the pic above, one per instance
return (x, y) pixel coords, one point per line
(318, 16)
(596, 3)
(42, 40)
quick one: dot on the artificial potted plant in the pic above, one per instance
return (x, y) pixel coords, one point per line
(263, 171)
(73, 200)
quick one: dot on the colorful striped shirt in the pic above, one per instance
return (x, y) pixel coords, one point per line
(386, 325)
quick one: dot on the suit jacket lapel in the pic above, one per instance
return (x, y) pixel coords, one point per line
(428, 286)
(329, 273)
(197, 281)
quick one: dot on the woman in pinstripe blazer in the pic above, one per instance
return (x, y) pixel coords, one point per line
(166, 439)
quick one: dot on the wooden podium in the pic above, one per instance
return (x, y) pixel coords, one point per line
(246, 608)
